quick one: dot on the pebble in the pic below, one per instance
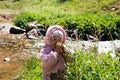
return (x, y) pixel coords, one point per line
(7, 59)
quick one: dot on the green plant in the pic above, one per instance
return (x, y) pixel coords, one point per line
(90, 66)
(89, 18)
(98, 24)
(81, 66)
(32, 70)
(22, 19)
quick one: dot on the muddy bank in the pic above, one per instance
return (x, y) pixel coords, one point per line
(14, 51)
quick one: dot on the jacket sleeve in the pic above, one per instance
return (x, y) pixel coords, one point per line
(48, 57)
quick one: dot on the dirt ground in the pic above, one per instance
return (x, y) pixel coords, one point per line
(12, 56)
(14, 51)
(9, 69)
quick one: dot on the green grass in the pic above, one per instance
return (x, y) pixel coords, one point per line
(93, 23)
(32, 70)
(68, 6)
(89, 16)
(84, 66)
(91, 66)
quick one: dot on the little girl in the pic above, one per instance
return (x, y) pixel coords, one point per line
(52, 54)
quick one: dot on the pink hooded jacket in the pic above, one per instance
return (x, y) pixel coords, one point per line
(51, 61)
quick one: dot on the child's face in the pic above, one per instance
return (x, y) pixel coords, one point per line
(55, 39)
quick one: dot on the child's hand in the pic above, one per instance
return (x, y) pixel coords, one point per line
(59, 48)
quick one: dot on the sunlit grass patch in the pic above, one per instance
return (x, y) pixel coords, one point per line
(84, 66)
(32, 70)
(90, 66)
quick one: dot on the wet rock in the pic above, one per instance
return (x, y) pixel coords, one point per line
(32, 34)
(5, 28)
(42, 32)
(114, 8)
(2, 27)
(72, 33)
(34, 30)
(16, 30)
(117, 50)
(7, 59)
(40, 26)
(41, 29)
(91, 38)
(30, 26)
